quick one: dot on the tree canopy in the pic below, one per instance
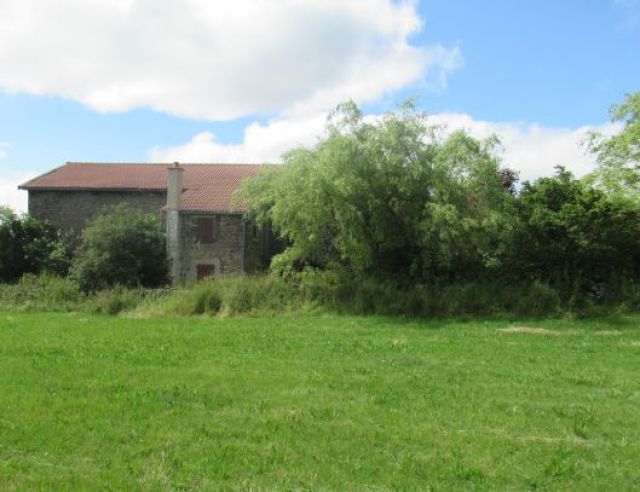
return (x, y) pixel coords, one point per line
(572, 235)
(400, 200)
(619, 155)
(394, 197)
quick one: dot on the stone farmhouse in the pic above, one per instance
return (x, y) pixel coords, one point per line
(206, 236)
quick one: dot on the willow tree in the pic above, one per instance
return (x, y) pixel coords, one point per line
(390, 197)
(618, 156)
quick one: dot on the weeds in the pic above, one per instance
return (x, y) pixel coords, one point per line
(314, 291)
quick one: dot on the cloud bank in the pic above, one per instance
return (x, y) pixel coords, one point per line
(532, 149)
(216, 60)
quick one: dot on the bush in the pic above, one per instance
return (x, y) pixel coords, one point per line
(574, 237)
(121, 247)
(28, 245)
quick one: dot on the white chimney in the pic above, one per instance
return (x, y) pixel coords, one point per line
(174, 196)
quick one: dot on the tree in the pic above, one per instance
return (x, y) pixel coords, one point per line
(121, 247)
(392, 198)
(28, 245)
(573, 235)
(619, 155)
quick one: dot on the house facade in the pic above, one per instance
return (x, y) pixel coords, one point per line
(206, 234)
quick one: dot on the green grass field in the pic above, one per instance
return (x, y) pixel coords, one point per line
(97, 402)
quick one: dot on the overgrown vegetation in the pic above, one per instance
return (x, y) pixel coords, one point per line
(618, 155)
(392, 200)
(123, 247)
(314, 292)
(30, 246)
(403, 206)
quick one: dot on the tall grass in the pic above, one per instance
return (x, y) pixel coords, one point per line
(42, 293)
(56, 294)
(317, 292)
(229, 296)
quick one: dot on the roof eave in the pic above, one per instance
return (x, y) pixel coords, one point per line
(25, 186)
(204, 212)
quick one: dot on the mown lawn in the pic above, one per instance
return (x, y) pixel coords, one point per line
(94, 402)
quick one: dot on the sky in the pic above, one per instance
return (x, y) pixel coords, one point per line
(243, 81)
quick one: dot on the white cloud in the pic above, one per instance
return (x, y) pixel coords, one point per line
(532, 149)
(9, 193)
(9, 181)
(261, 143)
(214, 59)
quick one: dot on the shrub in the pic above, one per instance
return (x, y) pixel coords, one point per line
(28, 245)
(121, 247)
(574, 237)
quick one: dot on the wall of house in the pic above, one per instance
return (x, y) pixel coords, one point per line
(225, 253)
(70, 210)
(234, 249)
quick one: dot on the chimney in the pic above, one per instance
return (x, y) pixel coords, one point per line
(174, 196)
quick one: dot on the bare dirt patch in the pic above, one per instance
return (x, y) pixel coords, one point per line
(529, 329)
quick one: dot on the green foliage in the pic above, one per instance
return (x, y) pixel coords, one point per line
(573, 236)
(121, 247)
(229, 296)
(619, 155)
(392, 199)
(28, 245)
(116, 300)
(330, 291)
(42, 293)
(394, 205)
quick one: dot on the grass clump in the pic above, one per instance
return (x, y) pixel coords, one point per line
(42, 293)
(228, 296)
(117, 300)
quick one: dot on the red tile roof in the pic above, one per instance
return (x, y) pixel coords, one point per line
(207, 187)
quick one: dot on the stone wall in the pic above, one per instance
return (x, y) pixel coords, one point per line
(225, 253)
(70, 210)
(237, 246)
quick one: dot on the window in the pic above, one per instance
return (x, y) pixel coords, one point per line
(204, 230)
(204, 271)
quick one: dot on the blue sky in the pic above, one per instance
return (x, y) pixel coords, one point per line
(205, 81)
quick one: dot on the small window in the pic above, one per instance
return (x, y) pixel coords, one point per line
(204, 271)
(204, 230)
